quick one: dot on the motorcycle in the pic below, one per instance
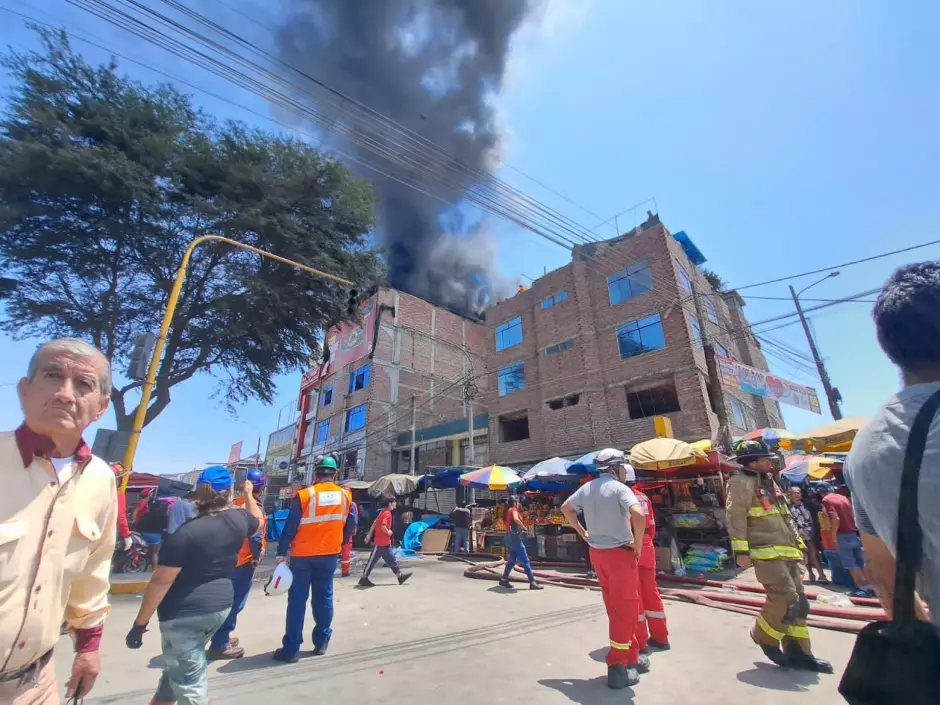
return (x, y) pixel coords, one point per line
(134, 560)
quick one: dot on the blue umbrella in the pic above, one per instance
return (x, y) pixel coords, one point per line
(584, 465)
(553, 467)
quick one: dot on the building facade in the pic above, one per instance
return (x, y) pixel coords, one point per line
(586, 357)
(407, 362)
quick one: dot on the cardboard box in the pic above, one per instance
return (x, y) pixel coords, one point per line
(664, 559)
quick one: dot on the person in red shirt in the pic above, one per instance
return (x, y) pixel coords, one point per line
(123, 528)
(516, 533)
(838, 509)
(142, 506)
(382, 531)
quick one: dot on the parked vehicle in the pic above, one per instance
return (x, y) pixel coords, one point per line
(135, 560)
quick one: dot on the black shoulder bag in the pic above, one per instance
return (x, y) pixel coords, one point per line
(899, 661)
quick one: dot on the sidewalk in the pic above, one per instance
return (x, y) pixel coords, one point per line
(136, 583)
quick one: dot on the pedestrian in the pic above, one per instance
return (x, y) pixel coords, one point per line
(191, 590)
(651, 625)
(223, 644)
(462, 518)
(844, 531)
(181, 512)
(907, 322)
(805, 527)
(58, 514)
(123, 528)
(141, 508)
(319, 523)
(381, 535)
(345, 560)
(516, 533)
(763, 535)
(153, 526)
(615, 526)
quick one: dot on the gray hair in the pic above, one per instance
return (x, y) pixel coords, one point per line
(77, 348)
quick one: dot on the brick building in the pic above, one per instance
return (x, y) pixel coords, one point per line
(592, 351)
(407, 355)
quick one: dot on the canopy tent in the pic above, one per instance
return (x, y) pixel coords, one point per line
(551, 468)
(713, 464)
(664, 454)
(355, 484)
(813, 467)
(395, 485)
(164, 485)
(835, 436)
(445, 477)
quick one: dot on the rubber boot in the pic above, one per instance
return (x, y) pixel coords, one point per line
(775, 655)
(643, 664)
(796, 658)
(620, 677)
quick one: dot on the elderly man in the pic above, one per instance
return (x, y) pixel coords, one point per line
(58, 513)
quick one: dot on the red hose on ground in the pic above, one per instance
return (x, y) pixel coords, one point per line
(856, 613)
(752, 587)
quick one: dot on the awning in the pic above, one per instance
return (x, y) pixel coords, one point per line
(395, 485)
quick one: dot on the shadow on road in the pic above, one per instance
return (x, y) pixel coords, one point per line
(600, 655)
(764, 675)
(593, 691)
(156, 662)
(255, 662)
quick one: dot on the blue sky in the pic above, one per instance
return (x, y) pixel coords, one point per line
(780, 138)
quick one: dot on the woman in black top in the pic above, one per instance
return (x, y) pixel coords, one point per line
(191, 590)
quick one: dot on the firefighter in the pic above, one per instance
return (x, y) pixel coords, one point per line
(345, 561)
(763, 535)
(319, 523)
(223, 645)
(651, 626)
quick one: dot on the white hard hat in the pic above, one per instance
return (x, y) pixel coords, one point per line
(280, 581)
(610, 456)
(631, 474)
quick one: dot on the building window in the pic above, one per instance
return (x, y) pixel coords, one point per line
(323, 431)
(638, 337)
(509, 333)
(554, 299)
(355, 418)
(720, 350)
(685, 281)
(511, 378)
(737, 414)
(627, 283)
(712, 310)
(327, 395)
(359, 379)
(562, 402)
(514, 427)
(653, 401)
(560, 347)
(696, 329)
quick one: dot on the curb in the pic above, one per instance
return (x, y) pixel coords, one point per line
(130, 587)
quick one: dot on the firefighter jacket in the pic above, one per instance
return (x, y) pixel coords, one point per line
(759, 519)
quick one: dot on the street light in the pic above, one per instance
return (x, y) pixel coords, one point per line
(832, 395)
(168, 320)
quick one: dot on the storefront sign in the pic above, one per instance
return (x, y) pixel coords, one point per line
(748, 379)
(289, 491)
(348, 342)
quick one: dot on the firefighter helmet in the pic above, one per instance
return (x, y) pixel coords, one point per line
(747, 451)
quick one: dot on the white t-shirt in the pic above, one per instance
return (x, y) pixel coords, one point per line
(873, 473)
(61, 463)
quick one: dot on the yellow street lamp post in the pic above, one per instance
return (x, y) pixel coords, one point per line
(168, 320)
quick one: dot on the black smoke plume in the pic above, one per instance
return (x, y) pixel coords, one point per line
(432, 66)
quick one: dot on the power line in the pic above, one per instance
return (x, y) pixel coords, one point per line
(790, 299)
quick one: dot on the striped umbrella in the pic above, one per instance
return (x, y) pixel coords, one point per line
(770, 436)
(493, 477)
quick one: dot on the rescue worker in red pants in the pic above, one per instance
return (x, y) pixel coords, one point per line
(651, 626)
(615, 527)
(345, 558)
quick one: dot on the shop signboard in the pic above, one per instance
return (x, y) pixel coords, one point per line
(748, 379)
(348, 342)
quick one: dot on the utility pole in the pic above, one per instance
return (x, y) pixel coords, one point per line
(469, 391)
(414, 415)
(716, 392)
(831, 393)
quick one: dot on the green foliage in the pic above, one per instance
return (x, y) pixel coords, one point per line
(103, 184)
(717, 283)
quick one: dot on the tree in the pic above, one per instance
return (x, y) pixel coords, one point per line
(103, 184)
(716, 282)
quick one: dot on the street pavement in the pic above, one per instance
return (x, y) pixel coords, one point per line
(445, 638)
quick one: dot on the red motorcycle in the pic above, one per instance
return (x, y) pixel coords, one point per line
(134, 560)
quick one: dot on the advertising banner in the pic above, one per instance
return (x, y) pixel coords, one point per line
(235, 454)
(748, 379)
(348, 342)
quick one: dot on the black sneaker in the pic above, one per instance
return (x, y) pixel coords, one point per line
(645, 650)
(402, 577)
(659, 645)
(620, 677)
(505, 583)
(365, 582)
(536, 586)
(284, 657)
(643, 664)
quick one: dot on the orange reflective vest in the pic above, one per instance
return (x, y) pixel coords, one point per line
(324, 508)
(244, 555)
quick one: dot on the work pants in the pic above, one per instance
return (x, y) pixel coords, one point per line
(778, 622)
(242, 577)
(313, 581)
(651, 623)
(618, 575)
(345, 561)
(39, 691)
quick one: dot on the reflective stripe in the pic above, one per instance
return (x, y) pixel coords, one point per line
(769, 630)
(766, 553)
(322, 518)
(621, 647)
(761, 512)
(656, 615)
(739, 545)
(798, 632)
(641, 618)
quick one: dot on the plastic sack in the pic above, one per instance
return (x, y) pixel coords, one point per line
(280, 580)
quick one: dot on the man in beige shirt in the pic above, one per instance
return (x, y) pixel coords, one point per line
(58, 511)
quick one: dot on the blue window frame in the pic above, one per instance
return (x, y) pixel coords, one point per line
(685, 281)
(511, 378)
(642, 336)
(554, 299)
(509, 333)
(323, 431)
(355, 418)
(737, 414)
(634, 280)
(711, 309)
(720, 350)
(696, 329)
(559, 347)
(359, 379)
(326, 398)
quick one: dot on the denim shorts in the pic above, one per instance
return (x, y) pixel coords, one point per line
(850, 551)
(152, 539)
(185, 678)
